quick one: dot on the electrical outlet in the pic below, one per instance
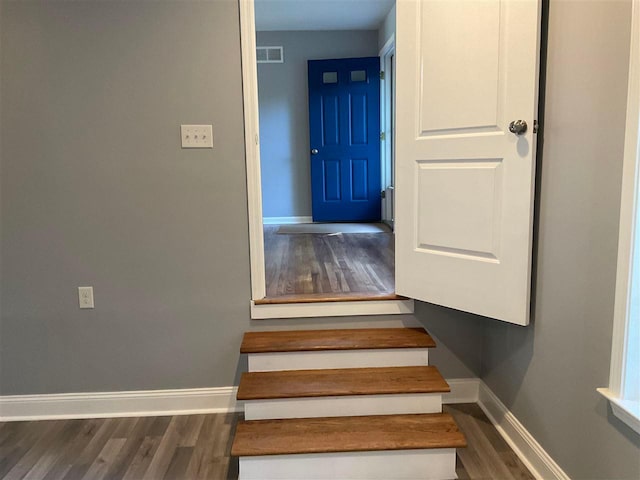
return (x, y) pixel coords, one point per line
(196, 136)
(85, 297)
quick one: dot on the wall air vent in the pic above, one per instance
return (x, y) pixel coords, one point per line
(270, 55)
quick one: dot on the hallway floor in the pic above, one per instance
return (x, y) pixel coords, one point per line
(315, 264)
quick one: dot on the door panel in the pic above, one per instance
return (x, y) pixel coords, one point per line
(332, 180)
(461, 206)
(458, 98)
(465, 183)
(358, 113)
(330, 114)
(344, 123)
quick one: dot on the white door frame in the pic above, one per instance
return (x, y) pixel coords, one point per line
(386, 126)
(254, 198)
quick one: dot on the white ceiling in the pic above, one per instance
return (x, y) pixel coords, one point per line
(320, 14)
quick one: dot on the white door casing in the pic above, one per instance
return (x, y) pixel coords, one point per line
(464, 182)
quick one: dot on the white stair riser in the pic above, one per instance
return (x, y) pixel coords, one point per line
(436, 464)
(395, 357)
(353, 405)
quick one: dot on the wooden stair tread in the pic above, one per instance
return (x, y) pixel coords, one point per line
(346, 434)
(343, 339)
(340, 382)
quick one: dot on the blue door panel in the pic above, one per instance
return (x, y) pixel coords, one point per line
(344, 127)
(358, 110)
(330, 120)
(332, 185)
(359, 187)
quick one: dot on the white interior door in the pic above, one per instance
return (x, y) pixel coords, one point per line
(464, 182)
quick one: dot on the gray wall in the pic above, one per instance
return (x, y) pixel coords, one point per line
(387, 28)
(284, 112)
(96, 191)
(547, 374)
(101, 194)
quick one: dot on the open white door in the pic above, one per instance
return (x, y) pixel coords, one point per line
(464, 183)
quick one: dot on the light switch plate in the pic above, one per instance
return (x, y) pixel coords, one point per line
(85, 297)
(196, 136)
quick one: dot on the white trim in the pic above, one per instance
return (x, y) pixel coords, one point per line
(286, 220)
(386, 126)
(628, 214)
(626, 410)
(535, 458)
(141, 403)
(389, 45)
(627, 211)
(252, 146)
(463, 390)
(145, 403)
(332, 309)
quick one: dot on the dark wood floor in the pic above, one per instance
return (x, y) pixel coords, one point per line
(487, 456)
(315, 264)
(193, 447)
(181, 447)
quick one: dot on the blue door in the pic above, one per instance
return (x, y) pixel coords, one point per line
(344, 124)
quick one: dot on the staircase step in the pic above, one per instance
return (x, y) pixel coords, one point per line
(341, 392)
(339, 382)
(343, 339)
(346, 434)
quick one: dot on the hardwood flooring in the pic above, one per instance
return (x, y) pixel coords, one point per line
(321, 264)
(193, 447)
(180, 447)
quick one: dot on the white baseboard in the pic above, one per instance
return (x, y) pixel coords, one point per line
(536, 459)
(463, 390)
(143, 403)
(285, 220)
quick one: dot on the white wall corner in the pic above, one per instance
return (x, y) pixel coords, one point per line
(535, 458)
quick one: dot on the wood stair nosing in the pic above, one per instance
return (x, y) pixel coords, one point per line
(335, 339)
(340, 382)
(346, 434)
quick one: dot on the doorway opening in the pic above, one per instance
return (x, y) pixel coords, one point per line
(325, 82)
